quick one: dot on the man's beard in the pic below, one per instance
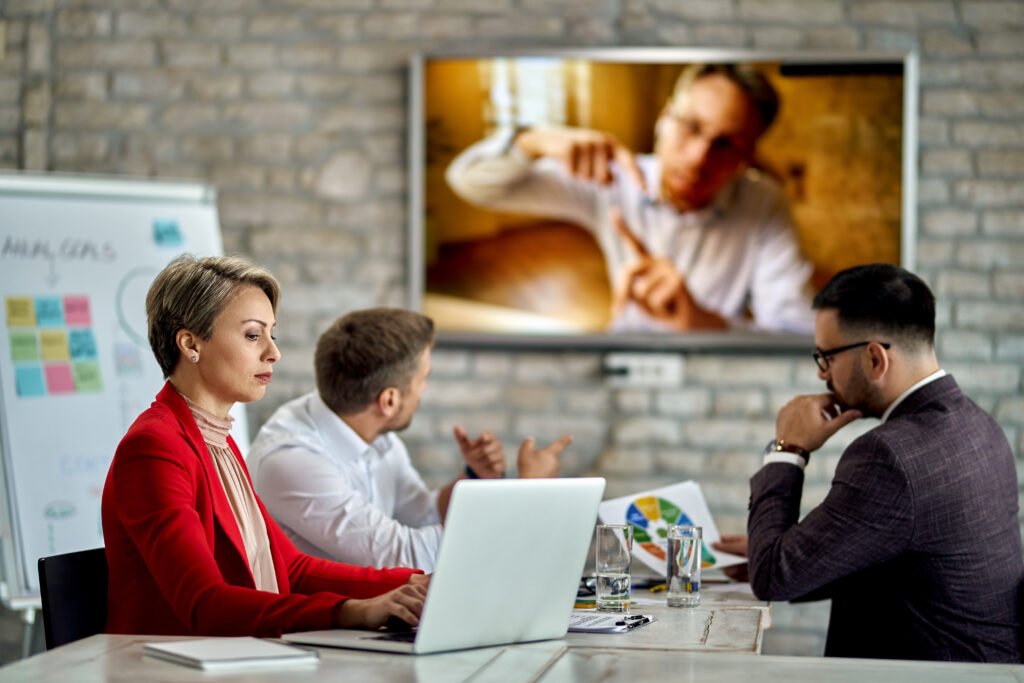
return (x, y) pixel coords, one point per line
(858, 395)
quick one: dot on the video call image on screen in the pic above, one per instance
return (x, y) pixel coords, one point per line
(509, 244)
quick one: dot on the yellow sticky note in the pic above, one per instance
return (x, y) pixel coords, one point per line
(21, 312)
(55, 344)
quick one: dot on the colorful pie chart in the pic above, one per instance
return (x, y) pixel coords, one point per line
(650, 518)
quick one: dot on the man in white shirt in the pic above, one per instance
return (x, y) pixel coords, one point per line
(332, 472)
(693, 238)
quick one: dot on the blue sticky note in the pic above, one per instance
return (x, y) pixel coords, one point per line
(28, 380)
(82, 344)
(166, 233)
(49, 311)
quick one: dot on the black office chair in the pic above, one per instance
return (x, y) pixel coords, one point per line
(74, 592)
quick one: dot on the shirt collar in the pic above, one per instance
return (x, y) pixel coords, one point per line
(899, 399)
(336, 430)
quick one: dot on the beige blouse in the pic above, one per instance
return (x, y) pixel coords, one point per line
(240, 496)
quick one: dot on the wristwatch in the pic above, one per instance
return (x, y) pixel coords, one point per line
(781, 446)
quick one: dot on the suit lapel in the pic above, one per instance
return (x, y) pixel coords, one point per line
(223, 514)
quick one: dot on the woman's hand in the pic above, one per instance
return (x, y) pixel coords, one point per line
(404, 603)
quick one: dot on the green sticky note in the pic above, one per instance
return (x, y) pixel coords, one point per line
(87, 377)
(24, 345)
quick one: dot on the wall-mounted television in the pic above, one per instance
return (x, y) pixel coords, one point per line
(652, 197)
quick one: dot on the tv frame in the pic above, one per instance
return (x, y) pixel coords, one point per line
(728, 341)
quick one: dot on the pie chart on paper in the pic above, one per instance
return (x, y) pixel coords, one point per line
(650, 517)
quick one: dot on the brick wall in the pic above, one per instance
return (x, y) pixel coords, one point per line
(295, 110)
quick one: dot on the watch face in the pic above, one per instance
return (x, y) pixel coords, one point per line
(770, 448)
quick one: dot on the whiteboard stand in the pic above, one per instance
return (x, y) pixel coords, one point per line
(78, 254)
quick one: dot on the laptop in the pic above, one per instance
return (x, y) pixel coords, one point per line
(507, 571)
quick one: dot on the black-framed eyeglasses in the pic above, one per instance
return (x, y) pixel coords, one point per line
(821, 356)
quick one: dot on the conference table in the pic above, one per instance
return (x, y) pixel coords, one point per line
(718, 641)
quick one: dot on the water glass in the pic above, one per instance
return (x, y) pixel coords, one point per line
(612, 559)
(685, 548)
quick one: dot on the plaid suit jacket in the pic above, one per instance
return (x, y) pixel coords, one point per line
(917, 542)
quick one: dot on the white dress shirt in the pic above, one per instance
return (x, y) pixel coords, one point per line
(739, 252)
(337, 496)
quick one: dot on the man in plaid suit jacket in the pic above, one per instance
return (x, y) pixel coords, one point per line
(918, 541)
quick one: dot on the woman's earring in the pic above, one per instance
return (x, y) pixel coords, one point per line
(194, 358)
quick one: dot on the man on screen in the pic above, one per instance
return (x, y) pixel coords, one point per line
(693, 238)
(330, 467)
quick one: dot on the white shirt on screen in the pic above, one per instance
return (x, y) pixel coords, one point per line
(740, 252)
(337, 496)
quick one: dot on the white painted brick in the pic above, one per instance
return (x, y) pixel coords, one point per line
(102, 115)
(701, 11)
(959, 102)
(682, 402)
(934, 252)
(632, 401)
(492, 365)
(932, 191)
(735, 465)
(1010, 347)
(213, 87)
(796, 11)
(895, 40)
(739, 370)
(587, 401)
(1009, 285)
(1010, 409)
(625, 460)
(268, 147)
(963, 283)
(310, 56)
(831, 38)
(964, 345)
(948, 42)
(905, 12)
(270, 24)
(999, 13)
(777, 36)
(715, 35)
(740, 402)
(207, 148)
(134, 54)
(189, 116)
(1004, 316)
(987, 134)
(253, 55)
(529, 397)
(980, 377)
(990, 192)
(218, 27)
(83, 23)
(1003, 223)
(682, 461)
(949, 222)
(269, 115)
(1001, 42)
(728, 433)
(271, 84)
(933, 131)
(151, 84)
(87, 85)
(190, 54)
(1001, 162)
(349, 118)
(234, 177)
(671, 33)
(150, 25)
(441, 393)
(654, 430)
(263, 209)
(37, 52)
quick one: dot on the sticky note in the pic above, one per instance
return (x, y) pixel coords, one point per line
(59, 379)
(28, 380)
(55, 344)
(20, 312)
(166, 233)
(127, 360)
(82, 344)
(24, 345)
(49, 311)
(87, 376)
(76, 310)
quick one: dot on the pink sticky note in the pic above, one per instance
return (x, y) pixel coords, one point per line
(59, 379)
(76, 310)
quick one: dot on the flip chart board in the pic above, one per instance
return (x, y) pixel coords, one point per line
(77, 256)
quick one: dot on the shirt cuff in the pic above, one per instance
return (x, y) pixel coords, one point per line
(791, 458)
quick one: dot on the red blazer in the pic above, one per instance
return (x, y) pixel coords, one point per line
(176, 560)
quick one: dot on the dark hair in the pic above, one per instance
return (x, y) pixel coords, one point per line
(747, 78)
(189, 293)
(365, 352)
(883, 300)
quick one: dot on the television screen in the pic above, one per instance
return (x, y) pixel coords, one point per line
(652, 197)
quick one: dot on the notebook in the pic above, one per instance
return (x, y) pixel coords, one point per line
(507, 570)
(230, 654)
